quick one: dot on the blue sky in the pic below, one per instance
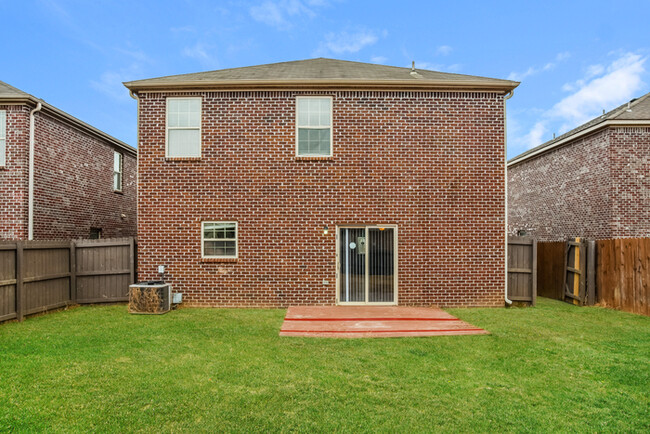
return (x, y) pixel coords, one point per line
(574, 58)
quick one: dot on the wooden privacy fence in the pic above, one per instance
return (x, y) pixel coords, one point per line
(614, 273)
(36, 276)
(623, 274)
(522, 270)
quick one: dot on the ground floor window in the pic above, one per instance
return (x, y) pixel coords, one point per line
(219, 240)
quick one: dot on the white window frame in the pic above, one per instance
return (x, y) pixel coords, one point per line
(121, 171)
(331, 125)
(167, 127)
(236, 240)
(3, 138)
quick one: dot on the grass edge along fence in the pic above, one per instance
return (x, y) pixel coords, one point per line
(37, 276)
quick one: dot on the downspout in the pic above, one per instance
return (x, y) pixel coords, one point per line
(137, 160)
(30, 188)
(505, 149)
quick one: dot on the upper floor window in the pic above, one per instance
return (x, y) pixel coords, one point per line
(3, 137)
(117, 171)
(314, 126)
(183, 127)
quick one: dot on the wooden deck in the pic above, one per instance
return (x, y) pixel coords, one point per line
(372, 322)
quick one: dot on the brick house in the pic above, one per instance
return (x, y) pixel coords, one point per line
(321, 182)
(593, 181)
(82, 182)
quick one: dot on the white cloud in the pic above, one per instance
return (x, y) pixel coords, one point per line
(536, 135)
(532, 70)
(562, 56)
(378, 59)
(279, 13)
(203, 53)
(592, 71)
(444, 50)
(600, 88)
(455, 67)
(621, 81)
(110, 84)
(345, 42)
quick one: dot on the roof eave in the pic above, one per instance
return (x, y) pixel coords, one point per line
(501, 86)
(71, 120)
(553, 145)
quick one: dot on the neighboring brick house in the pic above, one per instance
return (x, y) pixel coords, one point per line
(84, 181)
(324, 181)
(593, 181)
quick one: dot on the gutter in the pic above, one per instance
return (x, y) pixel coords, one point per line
(30, 194)
(505, 167)
(312, 84)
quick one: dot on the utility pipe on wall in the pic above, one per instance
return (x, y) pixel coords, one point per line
(30, 188)
(505, 165)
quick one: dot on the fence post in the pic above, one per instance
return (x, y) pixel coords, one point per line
(591, 273)
(534, 270)
(19, 281)
(73, 272)
(132, 259)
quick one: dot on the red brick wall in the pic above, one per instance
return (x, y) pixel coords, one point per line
(432, 163)
(73, 184)
(563, 193)
(630, 151)
(595, 187)
(13, 176)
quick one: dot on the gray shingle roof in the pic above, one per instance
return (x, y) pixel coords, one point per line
(9, 93)
(322, 71)
(639, 110)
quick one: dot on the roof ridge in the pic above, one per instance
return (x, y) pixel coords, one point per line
(319, 70)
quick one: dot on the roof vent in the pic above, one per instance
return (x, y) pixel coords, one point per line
(414, 73)
(629, 108)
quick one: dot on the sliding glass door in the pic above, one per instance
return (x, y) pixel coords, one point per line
(367, 265)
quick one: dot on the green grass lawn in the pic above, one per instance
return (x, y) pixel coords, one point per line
(555, 367)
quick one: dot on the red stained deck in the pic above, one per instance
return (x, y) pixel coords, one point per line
(372, 322)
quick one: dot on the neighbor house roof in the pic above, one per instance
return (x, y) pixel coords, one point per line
(634, 112)
(322, 73)
(12, 95)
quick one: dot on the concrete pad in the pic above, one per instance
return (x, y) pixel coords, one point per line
(372, 321)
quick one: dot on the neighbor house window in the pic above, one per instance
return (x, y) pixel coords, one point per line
(95, 233)
(3, 137)
(117, 171)
(314, 126)
(183, 127)
(219, 239)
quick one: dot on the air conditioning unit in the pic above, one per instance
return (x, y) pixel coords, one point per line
(152, 297)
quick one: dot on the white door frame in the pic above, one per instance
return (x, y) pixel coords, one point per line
(338, 266)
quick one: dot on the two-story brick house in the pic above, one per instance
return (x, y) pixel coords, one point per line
(593, 181)
(321, 182)
(61, 178)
